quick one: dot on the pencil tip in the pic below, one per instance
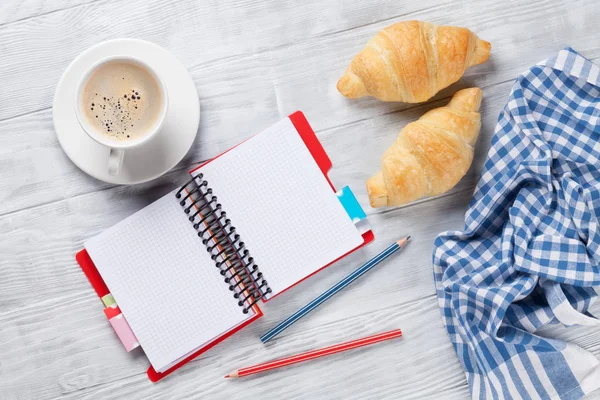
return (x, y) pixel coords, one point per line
(402, 241)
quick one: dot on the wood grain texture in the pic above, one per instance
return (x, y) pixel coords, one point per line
(11, 11)
(253, 63)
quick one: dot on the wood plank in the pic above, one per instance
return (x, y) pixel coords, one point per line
(399, 369)
(97, 366)
(11, 11)
(74, 325)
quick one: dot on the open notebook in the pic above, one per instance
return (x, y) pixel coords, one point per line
(191, 267)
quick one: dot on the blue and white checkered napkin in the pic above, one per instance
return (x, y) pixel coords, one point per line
(529, 254)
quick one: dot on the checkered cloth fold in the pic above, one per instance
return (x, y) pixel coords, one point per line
(529, 252)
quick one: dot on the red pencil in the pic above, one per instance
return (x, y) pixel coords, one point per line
(309, 355)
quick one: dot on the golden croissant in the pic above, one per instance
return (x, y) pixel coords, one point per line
(411, 61)
(431, 154)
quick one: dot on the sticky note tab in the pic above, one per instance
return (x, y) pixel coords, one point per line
(120, 325)
(354, 210)
(112, 311)
(108, 300)
(124, 332)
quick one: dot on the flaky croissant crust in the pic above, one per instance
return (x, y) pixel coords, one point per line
(411, 61)
(431, 154)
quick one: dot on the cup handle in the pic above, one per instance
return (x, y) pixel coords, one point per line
(115, 160)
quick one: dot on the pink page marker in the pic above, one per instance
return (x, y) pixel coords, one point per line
(121, 327)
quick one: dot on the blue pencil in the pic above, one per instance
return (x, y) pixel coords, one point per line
(394, 247)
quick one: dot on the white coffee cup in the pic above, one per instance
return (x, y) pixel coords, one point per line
(117, 147)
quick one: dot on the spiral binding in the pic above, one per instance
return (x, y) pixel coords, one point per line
(222, 242)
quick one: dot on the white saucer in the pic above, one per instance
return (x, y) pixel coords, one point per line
(151, 160)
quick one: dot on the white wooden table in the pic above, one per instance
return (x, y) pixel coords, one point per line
(253, 62)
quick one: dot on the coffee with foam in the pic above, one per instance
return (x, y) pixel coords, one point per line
(121, 100)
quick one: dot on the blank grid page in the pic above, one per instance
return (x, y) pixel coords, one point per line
(281, 205)
(164, 281)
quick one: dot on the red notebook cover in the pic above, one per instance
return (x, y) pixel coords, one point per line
(316, 149)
